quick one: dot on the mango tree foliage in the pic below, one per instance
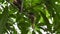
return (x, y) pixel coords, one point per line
(36, 15)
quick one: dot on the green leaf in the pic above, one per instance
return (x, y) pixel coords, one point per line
(33, 32)
(39, 32)
(3, 20)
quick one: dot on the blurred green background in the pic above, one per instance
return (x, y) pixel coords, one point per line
(36, 16)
